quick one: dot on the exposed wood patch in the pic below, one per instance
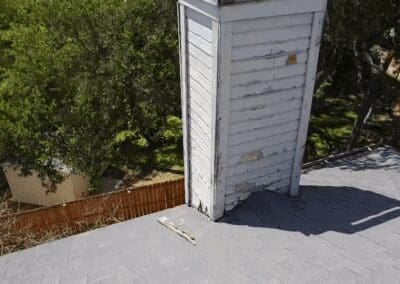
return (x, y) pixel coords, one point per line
(292, 59)
(252, 156)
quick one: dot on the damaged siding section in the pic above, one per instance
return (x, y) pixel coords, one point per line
(268, 70)
(199, 81)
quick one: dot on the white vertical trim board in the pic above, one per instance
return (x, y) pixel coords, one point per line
(182, 21)
(223, 109)
(312, 64)
(214, 127)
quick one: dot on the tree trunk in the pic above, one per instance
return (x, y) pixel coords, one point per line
(396, 123)
(362, 117)
(373, 76)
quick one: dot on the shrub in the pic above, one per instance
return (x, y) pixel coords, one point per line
(86, 82)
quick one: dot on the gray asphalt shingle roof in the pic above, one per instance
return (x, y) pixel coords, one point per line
(344, 227)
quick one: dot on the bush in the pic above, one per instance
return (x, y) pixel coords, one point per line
(87, 82)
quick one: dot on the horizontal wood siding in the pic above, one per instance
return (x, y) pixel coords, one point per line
(200, 88)
(269, 59)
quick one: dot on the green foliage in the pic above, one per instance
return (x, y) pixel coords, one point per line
(87, 82)
(353, 92)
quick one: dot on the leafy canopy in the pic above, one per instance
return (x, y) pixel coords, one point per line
(87, 82)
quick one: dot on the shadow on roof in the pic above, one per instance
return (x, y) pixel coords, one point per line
(317, 210)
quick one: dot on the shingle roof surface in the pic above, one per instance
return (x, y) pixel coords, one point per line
(344, 228)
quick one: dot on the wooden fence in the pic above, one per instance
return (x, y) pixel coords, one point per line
(121, 205)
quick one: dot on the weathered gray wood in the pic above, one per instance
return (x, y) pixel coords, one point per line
(205, 58)
(272, 23)
(201, 100)
(200, 43)
(307, 100)
(270, 120)
(258, 77)
(270, 183)
(259, 64)
(270, 8)
(241, 149)
(216, 202)
(270, 50)
(200, 66)
(261, 166)
(200, 83)
(265, 111)
(205, 82)
(272, 173)
(262, 133)
(262, 100)
(267, 87)
(203, 92)
(271, 36)
(223, 101)
(200, 23)
(203, 7)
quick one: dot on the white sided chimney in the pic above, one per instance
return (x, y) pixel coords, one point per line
(247, 77)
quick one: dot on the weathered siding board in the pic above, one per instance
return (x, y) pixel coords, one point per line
(271, 174)
(270, 8)
(242, 167)
(259, 112)
(199, 22)
(200, 66)
(203, 81)
(206, 8)
(270, 50)
(262, 133)
(244, 66)
(200, 43)
(272, 140)
(261, 76)
(214, 194)
(205, 58)
(223, 113)
(201, 93)
(262, 123)
(267, 87)
(200, 29)
(265, 102)
(270, 36)
(202, 102)
(272, 23)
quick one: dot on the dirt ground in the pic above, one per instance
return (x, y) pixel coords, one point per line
(8, 207)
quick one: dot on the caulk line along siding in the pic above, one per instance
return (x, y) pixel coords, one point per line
(248, 73)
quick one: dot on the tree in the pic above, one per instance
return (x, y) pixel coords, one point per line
(360, 40)
(90, 82)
